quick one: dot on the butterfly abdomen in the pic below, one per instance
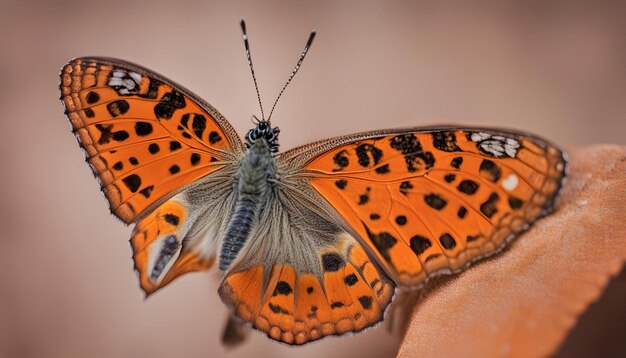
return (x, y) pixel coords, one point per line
(237, 231)
(253, 177)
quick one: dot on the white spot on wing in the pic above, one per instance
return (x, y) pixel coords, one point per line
(496, 145)
(135, 76)
(510, 183)
(510, 152)
(124, 81)
(115, 81)
(477, 137)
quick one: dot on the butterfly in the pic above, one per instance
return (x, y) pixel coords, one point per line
(313, 241)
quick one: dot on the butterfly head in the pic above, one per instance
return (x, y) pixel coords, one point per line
(263, 131)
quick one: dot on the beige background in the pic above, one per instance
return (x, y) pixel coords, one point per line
(556, 68)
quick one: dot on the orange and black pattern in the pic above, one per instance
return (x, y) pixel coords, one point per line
(295, 307)
(144, 137)
(431, 202)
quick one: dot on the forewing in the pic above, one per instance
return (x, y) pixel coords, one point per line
(432, 201)
(145, 137)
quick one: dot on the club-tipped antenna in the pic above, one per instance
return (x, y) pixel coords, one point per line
(247, 44)
(293, 73)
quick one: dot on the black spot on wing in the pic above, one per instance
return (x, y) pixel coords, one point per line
(341, 183)
(133, 161)
(184, 120)
(456, 162)
(341, 160)
(120, 136)
(92, 97)
(118, 166)
(374, 216)
(407, 144)
(405, 186)
(118, 108)
(351, 279)
(199, 125)
(366, 302)
(365, 197)
(365, 151)
(435, 201)
(383, 242)
(214, 137)
(105, 133)
(172, 219)
(419, 244)
(147, 191)
(447, 241)
(515, 203)
(332, 262)
(468, 187)
(143, 128)
(153, 148)
(383, 169)
(489, 208)
(282, 288)
(277, 309)
(410, 147)
(133, 182)
(169, 103)
(490, 170)
(153, 90)
(174, 169)
(313, 313)
(449, 178)
(401, 220)
(89, 112)
(174, 145)
(194, 159)
(336, 304)
(462, 212)
(445, 141)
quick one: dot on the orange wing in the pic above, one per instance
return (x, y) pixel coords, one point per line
(432, 201)
(145, 137)
(297, 307)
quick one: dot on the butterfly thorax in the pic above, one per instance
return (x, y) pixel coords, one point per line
(253, 181)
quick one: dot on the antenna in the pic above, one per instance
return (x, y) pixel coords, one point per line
(247, 44)
(293, 73)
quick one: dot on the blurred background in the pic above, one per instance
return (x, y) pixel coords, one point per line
(555, 68)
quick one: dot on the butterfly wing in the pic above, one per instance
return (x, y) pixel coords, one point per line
(149, 142)
(434, 200)
(301, 276)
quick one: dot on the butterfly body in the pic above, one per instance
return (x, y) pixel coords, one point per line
(313, 241)
(256, 183)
